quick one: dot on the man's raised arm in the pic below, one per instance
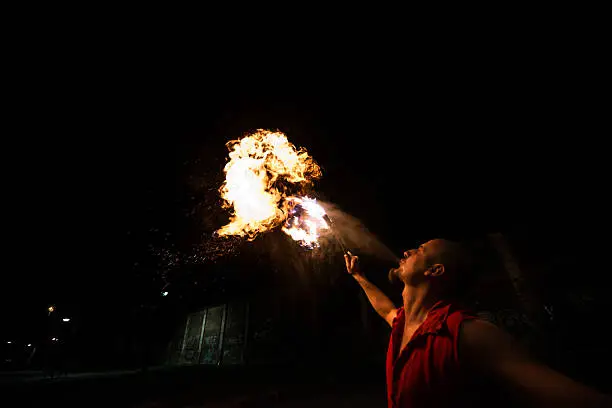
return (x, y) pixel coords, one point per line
(381, 303)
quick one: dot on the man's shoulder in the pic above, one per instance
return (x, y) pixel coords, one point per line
(457, 315)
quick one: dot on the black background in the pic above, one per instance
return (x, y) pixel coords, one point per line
(101, 148)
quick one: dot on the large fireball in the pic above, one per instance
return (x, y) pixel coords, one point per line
(262, 166)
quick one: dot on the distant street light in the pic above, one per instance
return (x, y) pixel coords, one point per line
(164, 293)
(29, 344)
(51, 309)
(54, 339)
(9, 342)
(65, 319)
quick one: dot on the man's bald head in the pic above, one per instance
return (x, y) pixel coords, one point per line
(458, 276)
(445, 264)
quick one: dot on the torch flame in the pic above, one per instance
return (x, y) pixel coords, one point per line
(305, 221)
(259, 166)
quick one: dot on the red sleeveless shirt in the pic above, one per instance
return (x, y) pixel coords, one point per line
(428, 371)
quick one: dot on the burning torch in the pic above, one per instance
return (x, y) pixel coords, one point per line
(333, 230)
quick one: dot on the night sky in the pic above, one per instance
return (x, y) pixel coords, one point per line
(100, 161)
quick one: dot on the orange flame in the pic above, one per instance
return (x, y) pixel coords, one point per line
(260, 166)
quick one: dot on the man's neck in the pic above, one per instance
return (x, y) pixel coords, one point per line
(417, 303)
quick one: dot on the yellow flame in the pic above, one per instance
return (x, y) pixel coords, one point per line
(258, 166)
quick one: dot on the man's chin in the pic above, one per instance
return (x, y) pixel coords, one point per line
(394, 275)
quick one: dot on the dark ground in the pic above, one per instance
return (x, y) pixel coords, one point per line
(200, 387)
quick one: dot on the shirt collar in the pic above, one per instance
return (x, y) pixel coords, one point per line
(436, 317)
(434, 321)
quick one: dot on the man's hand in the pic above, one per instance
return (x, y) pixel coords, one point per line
(352, 264)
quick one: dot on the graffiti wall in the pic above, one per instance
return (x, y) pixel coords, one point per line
(215, 335)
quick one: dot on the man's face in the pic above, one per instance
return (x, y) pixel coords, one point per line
(415, 263)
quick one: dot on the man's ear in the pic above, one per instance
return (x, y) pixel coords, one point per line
(435, 270)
